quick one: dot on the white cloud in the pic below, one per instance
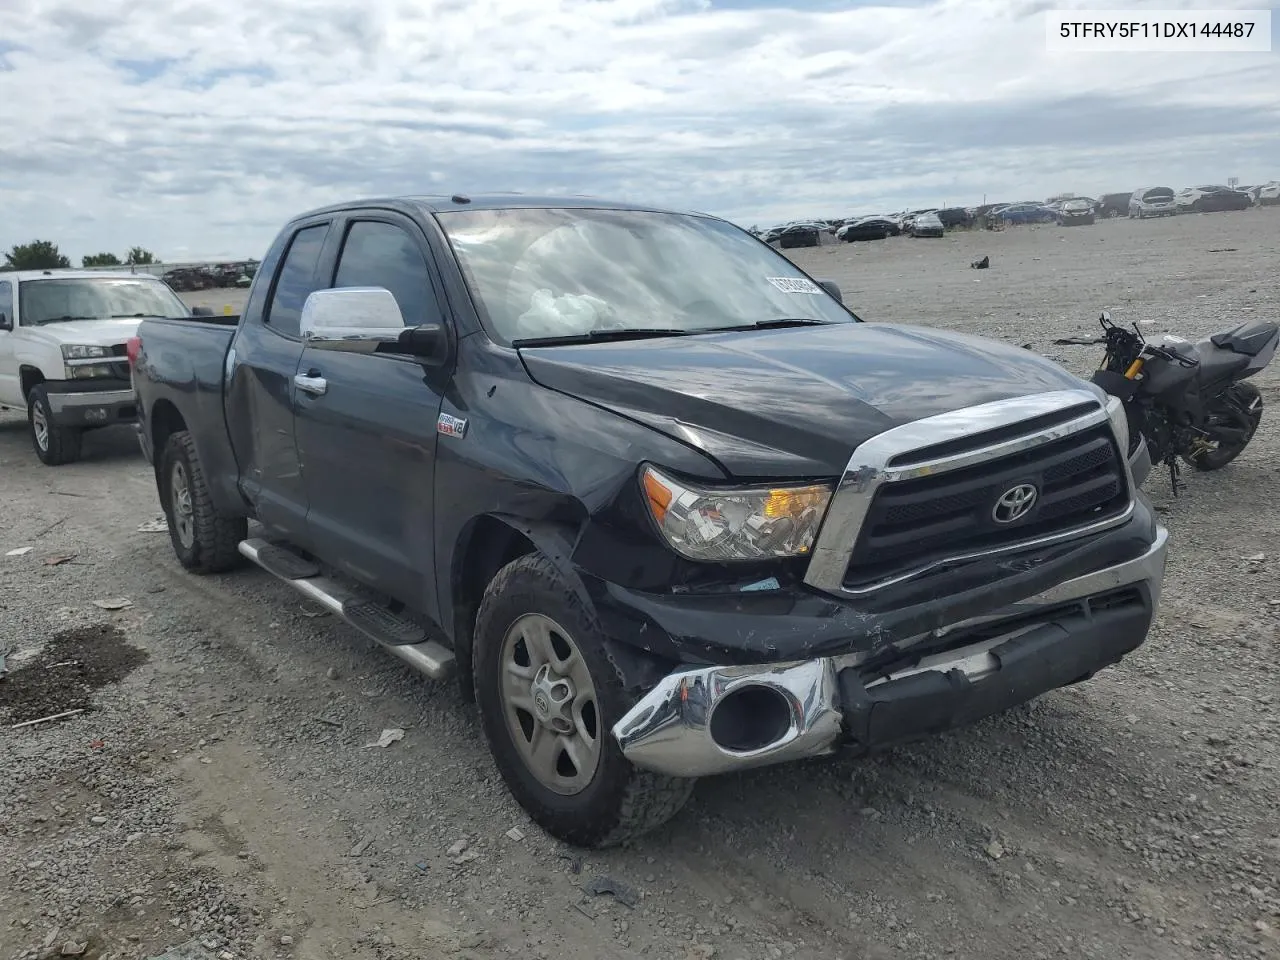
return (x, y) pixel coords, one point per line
(203, 125)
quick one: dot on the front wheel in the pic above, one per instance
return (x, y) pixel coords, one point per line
(1210, 454)
(548, 697)
(55, 444)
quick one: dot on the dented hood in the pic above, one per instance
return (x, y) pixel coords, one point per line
(792, 402)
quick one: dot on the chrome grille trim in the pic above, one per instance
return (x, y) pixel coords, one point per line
(868, 469)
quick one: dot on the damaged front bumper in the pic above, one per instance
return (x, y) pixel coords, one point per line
(715, 719)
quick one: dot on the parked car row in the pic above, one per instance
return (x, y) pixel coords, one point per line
(1064, 210)
(211, 277)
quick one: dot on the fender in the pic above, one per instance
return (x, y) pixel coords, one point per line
(636, 669)
(554, 541)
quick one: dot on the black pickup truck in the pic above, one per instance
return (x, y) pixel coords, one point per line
(664, 505)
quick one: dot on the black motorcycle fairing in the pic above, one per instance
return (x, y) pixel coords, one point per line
(1172, 383)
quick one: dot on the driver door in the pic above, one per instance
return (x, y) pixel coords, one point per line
(367, 440)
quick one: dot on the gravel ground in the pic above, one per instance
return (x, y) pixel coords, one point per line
(217, 796)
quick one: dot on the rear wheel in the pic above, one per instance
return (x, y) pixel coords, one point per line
(1212, 454)
(204, 540)
(548, 697)
(55, 444)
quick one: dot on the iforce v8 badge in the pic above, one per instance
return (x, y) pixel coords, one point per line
(451, 426)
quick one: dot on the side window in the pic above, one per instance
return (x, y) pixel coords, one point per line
(6, 305)
(378, 254)
(296, 281)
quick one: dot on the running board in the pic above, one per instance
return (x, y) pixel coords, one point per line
(395, 634)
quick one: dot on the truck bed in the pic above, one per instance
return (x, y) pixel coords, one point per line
(180, 371)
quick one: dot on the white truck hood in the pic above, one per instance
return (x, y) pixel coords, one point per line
(95, 333)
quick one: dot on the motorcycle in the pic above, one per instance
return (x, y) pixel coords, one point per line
(1188, 400)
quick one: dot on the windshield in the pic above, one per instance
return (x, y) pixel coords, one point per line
(91, 298)
(545, 273)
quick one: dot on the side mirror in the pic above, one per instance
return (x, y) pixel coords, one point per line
(365, 319)
(202, 311)
(832, 288)
(353, 319)
(4, 321)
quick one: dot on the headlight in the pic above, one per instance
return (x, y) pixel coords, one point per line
(87, 371)
(741, 523)
(1119, 423)
(79, 351)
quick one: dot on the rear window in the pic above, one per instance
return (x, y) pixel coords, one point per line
(1159, 193)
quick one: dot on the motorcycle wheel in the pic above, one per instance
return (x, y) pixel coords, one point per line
(1218, 457)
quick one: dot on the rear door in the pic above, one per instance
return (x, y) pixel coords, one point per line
(260, 389)
(368, 443)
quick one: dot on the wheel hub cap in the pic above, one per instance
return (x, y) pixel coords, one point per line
(552, 699)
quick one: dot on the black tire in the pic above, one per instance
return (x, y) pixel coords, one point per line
(212, 544)
(61, 443)
(1244, 394)
(621, 801)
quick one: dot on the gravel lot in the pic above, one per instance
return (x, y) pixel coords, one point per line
(217, 793)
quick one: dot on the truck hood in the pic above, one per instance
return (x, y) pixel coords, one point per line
(95, 333)
(792, 402)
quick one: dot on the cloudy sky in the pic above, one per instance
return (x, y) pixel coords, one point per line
(195, 127)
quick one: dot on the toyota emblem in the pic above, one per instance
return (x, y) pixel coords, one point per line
(1015, 503)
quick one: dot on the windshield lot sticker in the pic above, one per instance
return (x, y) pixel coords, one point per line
(794, 284)
(451, 426)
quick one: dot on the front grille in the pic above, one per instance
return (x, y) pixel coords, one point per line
(120, 370)
(911, 523)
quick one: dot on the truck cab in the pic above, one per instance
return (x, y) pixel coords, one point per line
(63, 345)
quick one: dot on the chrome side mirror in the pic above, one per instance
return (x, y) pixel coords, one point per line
(354, 319)
(363, 319)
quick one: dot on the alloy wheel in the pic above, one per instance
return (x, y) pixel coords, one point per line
(550, 704)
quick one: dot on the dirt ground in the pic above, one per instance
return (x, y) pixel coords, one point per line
(219, 797)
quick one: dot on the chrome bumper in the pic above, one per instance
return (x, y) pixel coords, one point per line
(670, 729)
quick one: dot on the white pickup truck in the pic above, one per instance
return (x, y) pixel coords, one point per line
(63, 350)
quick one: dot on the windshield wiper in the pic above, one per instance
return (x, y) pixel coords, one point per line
(774, 324)
(603, 335)
(124, 316)
(68, 317)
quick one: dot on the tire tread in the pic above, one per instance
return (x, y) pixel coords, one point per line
(65, 443)
(217, 537)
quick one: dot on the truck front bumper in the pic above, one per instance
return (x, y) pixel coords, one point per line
(73, 406)
(710, 720)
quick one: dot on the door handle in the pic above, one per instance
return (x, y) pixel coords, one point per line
(316, 386)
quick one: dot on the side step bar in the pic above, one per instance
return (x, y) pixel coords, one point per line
(397, 635)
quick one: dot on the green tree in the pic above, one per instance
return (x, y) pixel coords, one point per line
(36, 255)
(101, 260)
(140, 255)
